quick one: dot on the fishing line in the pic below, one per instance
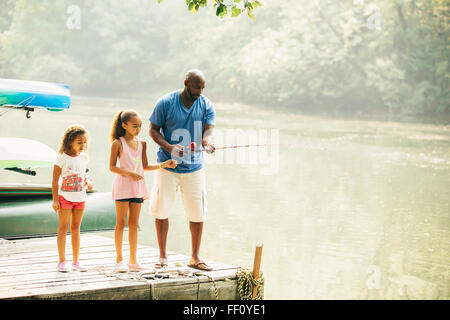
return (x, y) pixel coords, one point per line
(250, 146)
(5, 112)
(19, 106)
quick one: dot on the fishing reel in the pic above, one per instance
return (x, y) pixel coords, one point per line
(209, 149)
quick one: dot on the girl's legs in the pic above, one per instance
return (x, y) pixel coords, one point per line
(77, 216)
(121, 220)
(63, 226)
(133, 224)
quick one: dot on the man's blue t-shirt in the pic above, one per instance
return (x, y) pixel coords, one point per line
(180, 125)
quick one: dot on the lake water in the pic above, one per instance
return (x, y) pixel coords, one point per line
(345, 209)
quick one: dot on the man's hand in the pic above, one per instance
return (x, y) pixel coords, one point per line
(209, 147)
(176, 150)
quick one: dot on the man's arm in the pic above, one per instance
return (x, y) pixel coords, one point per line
(207, 137)
(207, 134)
(159, 139)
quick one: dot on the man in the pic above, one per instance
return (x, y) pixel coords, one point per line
(180, 118)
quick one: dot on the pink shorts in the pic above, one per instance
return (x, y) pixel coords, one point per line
(65, 204)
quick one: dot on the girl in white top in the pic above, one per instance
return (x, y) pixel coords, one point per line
(69, 185)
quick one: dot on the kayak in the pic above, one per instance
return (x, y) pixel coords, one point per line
(16, 190)
(25, 153)
(26, 209)
(30, 94)
(34, 216)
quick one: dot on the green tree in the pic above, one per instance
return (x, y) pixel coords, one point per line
(329, 56)
(333, 56)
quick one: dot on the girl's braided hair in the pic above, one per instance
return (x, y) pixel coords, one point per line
(69, 136)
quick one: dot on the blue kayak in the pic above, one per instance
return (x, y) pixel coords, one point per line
(34, 94)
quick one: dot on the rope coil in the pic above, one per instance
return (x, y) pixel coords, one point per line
(246, 283)
(216, 291)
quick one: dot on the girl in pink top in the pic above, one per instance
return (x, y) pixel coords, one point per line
(129, 189)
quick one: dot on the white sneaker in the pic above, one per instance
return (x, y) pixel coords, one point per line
(135, 267)
(63, 267)
(78, 267)
(121, 267)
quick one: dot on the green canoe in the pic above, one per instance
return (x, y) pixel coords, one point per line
(34, 216)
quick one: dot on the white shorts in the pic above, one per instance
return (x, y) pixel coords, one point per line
(193, 194)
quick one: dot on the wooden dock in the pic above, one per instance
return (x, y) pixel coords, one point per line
(28, 271)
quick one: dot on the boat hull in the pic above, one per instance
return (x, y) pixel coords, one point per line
(34, 217)
(24, 190)
(25, 153)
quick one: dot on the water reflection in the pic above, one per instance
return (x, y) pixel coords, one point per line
(356, 210)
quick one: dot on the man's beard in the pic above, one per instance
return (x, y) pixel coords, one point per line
(191, 95)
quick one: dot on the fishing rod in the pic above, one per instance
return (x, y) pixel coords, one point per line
(243, 146)
(193, 145)
(288, 145)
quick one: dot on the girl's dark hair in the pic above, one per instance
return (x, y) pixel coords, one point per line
(121, 117)
(69, 136)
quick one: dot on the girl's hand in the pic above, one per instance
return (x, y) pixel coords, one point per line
(55, 206)
(135, 176)
(171, 163)
(88, 184)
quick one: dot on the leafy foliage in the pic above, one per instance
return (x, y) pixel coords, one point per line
(236, 7)
(329, 56)
(333, 56)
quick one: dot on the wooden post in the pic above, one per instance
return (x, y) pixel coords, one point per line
(256, 266)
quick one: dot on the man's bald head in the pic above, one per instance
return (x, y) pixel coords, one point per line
(194, 83)
(195, 74)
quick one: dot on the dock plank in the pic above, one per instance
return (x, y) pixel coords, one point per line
(28, 271)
